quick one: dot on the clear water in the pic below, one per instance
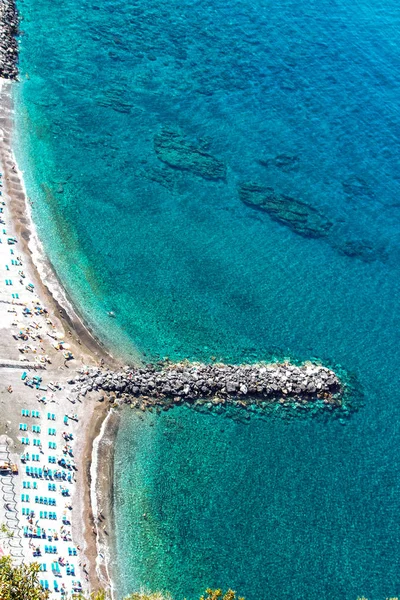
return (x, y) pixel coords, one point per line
(190, 271)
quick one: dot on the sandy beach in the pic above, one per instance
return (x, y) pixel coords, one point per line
(47, 431)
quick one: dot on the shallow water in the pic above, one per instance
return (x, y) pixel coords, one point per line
(297, 96)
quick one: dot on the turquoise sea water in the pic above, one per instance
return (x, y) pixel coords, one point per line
(298, 96)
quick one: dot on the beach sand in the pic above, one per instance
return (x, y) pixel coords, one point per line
(32, 322)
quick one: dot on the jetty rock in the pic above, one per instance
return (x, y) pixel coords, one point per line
(299, 216)
(8, 44)
(173, 149)
(193, 382)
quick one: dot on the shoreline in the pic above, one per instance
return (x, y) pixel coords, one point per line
(50, 286)
(83, 341)
(101, 493)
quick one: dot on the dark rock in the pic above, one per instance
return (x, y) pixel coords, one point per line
(172, 149)
(295, 214)
(360, 249)
(355, 187)
(163, 176)
(8, 42)
(285, 162)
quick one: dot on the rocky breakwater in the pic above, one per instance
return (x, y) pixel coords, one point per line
(265, 385)
(8, 42)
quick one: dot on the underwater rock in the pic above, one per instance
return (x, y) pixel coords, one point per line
(285, 162)
(172, 149)
(116, 99)
(299, 216)
(355, 187)
(361, 249)
(162, 176)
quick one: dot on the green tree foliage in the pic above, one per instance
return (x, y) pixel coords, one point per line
(20, 582)
(6, 530)
(219, 595)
